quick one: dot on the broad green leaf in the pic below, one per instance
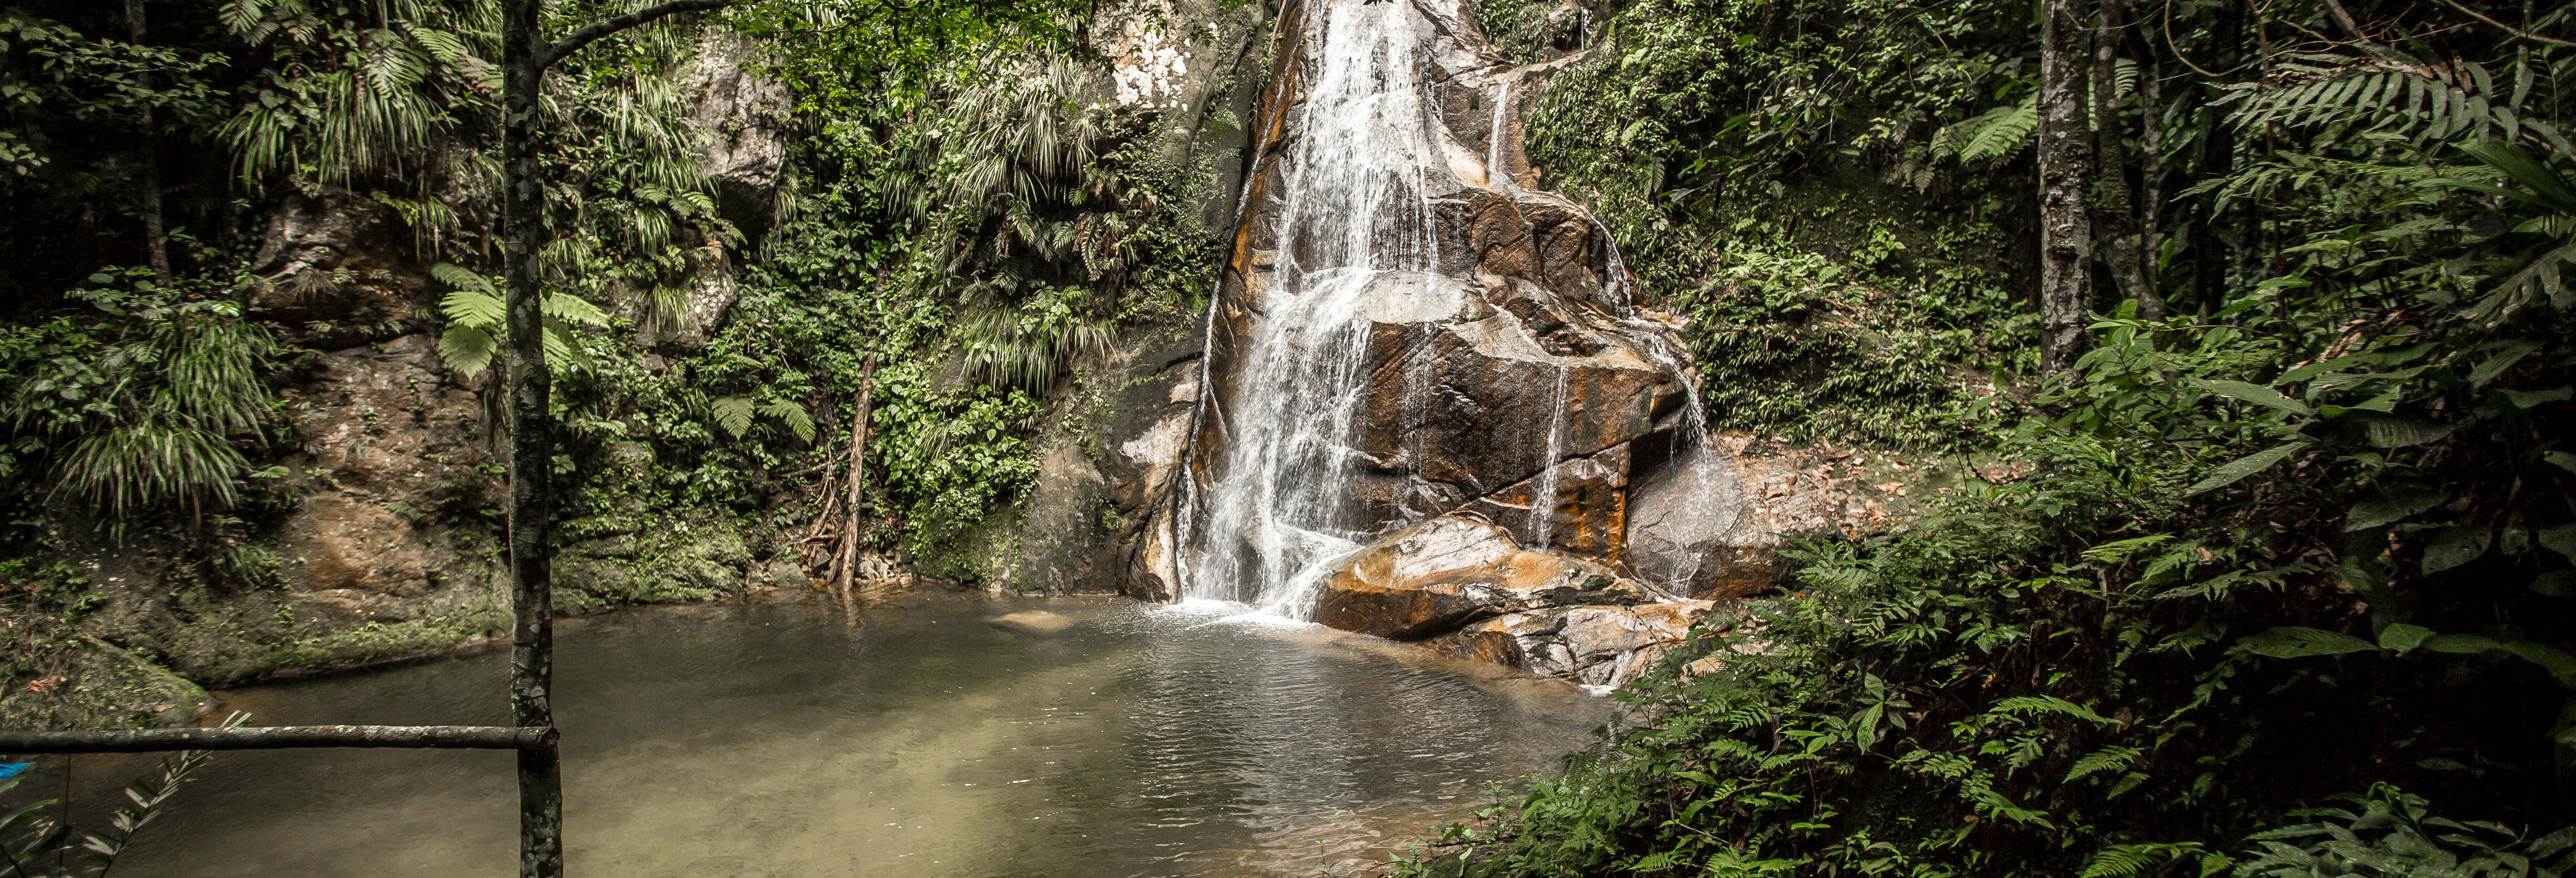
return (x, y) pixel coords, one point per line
(2390, 505)
(2395, 432)
(2459, 643)
(2561, 459)
(2560, 665)
(2532, 399)
(2256, 394)
(2239, 468)
(2454, 546)
(2312, 370)
(2291, 642)
(2503, 359)
(2560, 539)
(2403, 638)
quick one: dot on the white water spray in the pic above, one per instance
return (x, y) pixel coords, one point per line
(1357, 220)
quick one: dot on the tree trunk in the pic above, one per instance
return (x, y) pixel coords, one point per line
(2151, 177)
(523, 52)
(147, 188)
(2216, 159)
(2115, 219)
(2065, 167)
(849, 554)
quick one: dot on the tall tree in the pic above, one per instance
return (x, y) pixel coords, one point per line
(2066, 150)
(2115, 223)
(525, 55)
(2216, 156)
(147, 184)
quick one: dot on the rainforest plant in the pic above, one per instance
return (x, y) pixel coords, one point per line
(2301, 535)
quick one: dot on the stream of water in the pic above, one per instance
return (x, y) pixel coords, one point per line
(906, 736)
(1357, 219)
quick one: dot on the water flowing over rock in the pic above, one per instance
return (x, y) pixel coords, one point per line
(1432, 398)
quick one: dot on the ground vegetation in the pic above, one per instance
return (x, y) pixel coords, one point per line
(2283, 588)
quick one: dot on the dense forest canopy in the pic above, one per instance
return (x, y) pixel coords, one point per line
(2250, 320)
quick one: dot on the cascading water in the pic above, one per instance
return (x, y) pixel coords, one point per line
(1360, 289)
(1357, 210)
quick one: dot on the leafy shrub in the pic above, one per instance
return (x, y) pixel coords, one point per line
(139, 410)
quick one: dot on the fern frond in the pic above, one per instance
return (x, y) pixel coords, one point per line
(733, 413)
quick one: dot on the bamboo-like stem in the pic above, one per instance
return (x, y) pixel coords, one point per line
(279, 737)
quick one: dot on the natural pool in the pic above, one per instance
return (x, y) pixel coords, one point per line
(898, 735)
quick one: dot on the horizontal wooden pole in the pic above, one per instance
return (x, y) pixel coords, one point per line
(279, 737)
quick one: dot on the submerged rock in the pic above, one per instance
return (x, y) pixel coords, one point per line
(1038, 622)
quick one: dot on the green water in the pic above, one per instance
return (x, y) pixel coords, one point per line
(900, 736)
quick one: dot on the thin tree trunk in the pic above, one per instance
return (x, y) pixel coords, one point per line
(2216, 160)
(2065, 167)
(523, 52)
(2151, 178)
(2115, 220)
(147, 188)
(849, 554)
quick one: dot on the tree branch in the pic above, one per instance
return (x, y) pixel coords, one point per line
(560, 49)
(278, 737)
(2554, 41)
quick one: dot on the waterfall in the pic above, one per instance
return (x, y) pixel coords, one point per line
(1357, 216)
(1543, 500)
(1340, 258)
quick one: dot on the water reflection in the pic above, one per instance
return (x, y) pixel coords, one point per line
(899, 736)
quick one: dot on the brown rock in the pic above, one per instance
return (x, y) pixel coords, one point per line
(1586, 516)
(1433, 577)
(1601, 646)
(391, 451)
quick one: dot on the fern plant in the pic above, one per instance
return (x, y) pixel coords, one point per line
(478, 317)
(735, 413)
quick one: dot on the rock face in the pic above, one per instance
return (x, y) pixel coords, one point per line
(742, 121)
(1434, 405)
(393, 452)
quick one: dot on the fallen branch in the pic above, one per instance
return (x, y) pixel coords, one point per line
(849, 555)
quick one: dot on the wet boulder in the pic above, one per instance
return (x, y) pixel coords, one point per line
(1603, 646)
(1436, 576)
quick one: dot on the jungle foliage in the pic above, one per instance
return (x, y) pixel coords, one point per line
(890, 237)
(161, 356)
(2304, 539)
